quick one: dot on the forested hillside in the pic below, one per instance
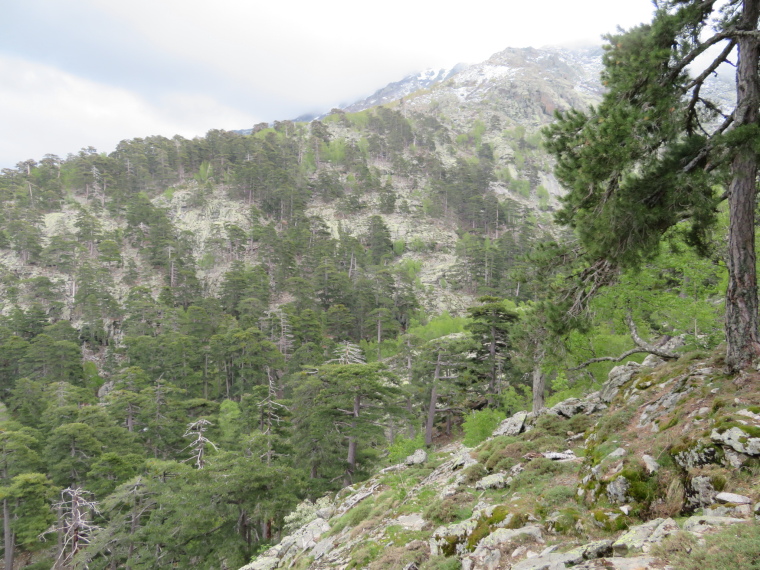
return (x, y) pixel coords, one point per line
(196, 335)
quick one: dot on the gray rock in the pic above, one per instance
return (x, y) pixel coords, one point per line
(642, 537)
(453, 534)
(617, 378)
(650, 464)
(574, 406)
(617, 490)
(262, 563)
(732, 498)
(553, 561)
(322, 548)
(412, 522)
(700, 492)
(512, 426)
(356, 498)
(738, 440)
(617, 454)
(417, 458)
(652, 361)
(695, 456)
(702, 523)
(617, 563)
(495, 481)
(567, 455)
(502, 536)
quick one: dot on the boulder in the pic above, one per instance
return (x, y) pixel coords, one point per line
(700, 493)
(512, 426)
(733, 498)
(617, 490)
(738, 440)
(412, 522)
(617, 378)
(650, 464)
(417, 458)
(262, 563)
(618, 563)
(702, 523)
(495, 481)
(642, 537)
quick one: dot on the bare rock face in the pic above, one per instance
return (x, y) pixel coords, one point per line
(616, 379)
(738, 440)
(700, 493)
(512, 426)
(495, 481)
(642, 537)
(617, 491)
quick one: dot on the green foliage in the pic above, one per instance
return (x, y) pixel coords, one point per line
(480, 425)
(403, 447)
(731, 547)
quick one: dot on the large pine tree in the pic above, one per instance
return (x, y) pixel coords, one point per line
(652, 153)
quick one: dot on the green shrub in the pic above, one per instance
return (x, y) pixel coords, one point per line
(478, 426)
(403, 447)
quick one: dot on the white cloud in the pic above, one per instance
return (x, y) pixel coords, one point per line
(44, 110)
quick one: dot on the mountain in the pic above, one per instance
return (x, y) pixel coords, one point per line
(199, 333)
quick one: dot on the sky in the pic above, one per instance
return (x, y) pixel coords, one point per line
(80, 73)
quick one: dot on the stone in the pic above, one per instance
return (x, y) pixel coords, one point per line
(617, 490)
(262, 563)
(702, 523)
(732, 498)
(700, 492)
(417, 458)
(617, 454)
(617, 378)
(651, 361)
(322, 548)
(412, 522)
(642, 537)
(502, 536)
(356, 498)
(567, 455)
(454, 534)
(553, 561)
(696, 455)
(650, 464)
(738, 440)
(512, 426)
(495, 481)
(618, 563)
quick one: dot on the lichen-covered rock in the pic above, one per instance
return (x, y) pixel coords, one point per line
(574, 406)
(417, 458)
(738, 440)
(642, 537)
(701, 523)
(495, 481)
(356, 498)
(262, 563)
(618, 563)
(512, 426)
(412, 522)
(732, 498)
(700, 493)
(452, 539)
(698, 454)
(650, 464)
(616, 379)
(617, 490)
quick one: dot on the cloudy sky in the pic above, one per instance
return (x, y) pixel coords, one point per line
(77, 73)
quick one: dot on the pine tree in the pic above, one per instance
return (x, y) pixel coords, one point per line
(652, 153)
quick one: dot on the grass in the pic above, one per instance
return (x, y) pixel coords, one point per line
(736, 546)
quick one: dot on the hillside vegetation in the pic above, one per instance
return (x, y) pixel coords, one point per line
(198, 335)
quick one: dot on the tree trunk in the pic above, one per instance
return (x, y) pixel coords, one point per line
(8, 539)
(741, 295)
(351, 460)
(430, 417)
(539, 387)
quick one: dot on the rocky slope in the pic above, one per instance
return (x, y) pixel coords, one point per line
(662, 456)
